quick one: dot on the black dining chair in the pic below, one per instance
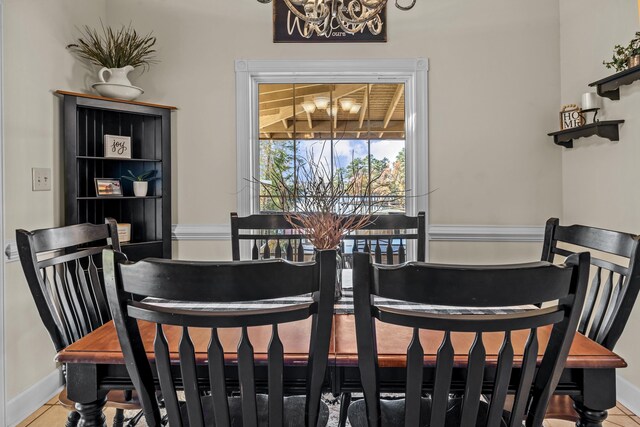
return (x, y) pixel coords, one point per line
(202, 283)
(387, 237)
(270, 236)
(487, 287)
(613, 291)
(63, 270)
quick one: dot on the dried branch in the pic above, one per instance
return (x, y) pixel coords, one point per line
(322, 205)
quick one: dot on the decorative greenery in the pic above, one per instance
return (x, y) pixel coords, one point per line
(145, 176)
(621, 55)
(115, 48)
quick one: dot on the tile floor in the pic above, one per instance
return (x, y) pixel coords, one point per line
(54, 414)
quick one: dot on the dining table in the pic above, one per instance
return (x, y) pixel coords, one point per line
(95, 364)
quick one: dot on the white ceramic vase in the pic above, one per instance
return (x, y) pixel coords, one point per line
(117, 85)
(140, 188)
(116, 75)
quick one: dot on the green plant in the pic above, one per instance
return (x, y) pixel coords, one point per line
(145, 176)
(621, 55)
(115, 48)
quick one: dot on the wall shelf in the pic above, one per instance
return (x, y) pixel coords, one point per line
(604, 129)
(609, 87)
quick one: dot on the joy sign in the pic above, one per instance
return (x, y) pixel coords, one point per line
(117, 146)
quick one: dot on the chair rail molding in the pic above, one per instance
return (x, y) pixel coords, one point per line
(435, 232)
(201, 232)
(486, 233)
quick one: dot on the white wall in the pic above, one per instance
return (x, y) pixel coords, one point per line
(600, 178)
(35, 64)
(493, 81)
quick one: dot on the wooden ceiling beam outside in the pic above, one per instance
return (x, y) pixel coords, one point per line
(393, 105)
(364, 108)
(279, 100)
(326, 126)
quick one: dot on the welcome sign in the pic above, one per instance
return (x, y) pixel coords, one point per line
(288, 28)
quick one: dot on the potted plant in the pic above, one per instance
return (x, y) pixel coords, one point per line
(118, 52)
(140, 182)
(625, 57)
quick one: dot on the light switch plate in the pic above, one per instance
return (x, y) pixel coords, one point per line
(41, 179)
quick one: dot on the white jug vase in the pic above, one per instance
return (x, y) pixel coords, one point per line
(116, 75)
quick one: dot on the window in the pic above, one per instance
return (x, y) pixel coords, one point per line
(352, 131)
(252, 74)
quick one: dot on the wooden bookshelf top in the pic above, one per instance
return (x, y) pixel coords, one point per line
(88, 95)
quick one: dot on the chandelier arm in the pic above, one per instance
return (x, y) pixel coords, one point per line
(401, 7)
(365, 17)
(304, 17)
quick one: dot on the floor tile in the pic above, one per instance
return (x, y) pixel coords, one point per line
(54, 400)
(624, 409)
(617, 411)
(33, 416)
(55, 415)
(620, 421)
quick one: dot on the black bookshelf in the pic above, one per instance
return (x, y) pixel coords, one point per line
(87, 118)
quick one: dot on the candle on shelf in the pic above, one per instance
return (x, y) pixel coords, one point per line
(591, 100)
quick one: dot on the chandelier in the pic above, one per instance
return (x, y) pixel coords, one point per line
(351, 16)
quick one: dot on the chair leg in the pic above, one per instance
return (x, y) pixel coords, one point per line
(118, 419)
(72, 419)
(133, 421)
(345, 400)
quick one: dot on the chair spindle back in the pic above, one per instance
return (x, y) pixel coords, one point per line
(483, 288)
(218, 282)
(614, 286)
(63, 269)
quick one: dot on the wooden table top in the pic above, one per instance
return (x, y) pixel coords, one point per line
(102, 346)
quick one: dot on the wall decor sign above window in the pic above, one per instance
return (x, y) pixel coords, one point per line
(571, 117)
(117, 146)
(290, 24)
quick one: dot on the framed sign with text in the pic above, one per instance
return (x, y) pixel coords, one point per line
(571, 117)
(116, 146)
(289, 28)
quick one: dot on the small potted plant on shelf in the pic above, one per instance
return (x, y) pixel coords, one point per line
(625, 57)
(118, 52)
(140, 182)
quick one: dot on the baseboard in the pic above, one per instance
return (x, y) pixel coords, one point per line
(628, 394)
(27, 402)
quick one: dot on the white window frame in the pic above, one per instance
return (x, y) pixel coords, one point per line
(412, 72)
